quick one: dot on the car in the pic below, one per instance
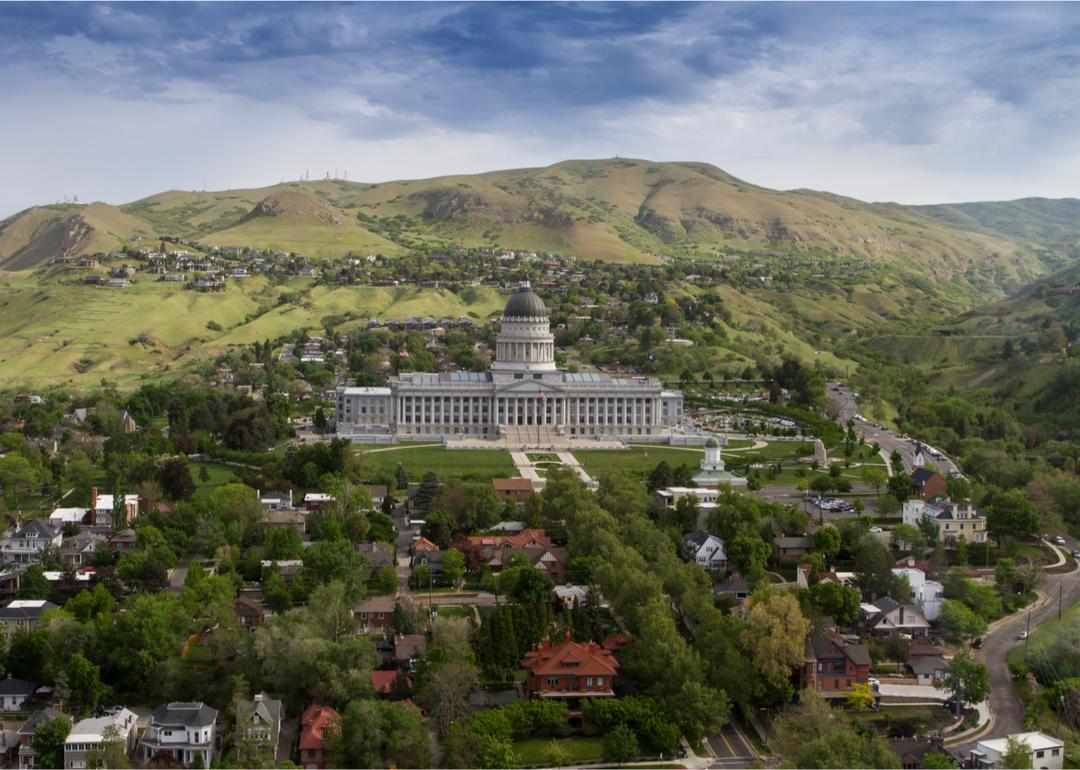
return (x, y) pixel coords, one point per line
(1076, 554)
(977, 643)
(1022, 635)
(876, 530)
(1059, 540)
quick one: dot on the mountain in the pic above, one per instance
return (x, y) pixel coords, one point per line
(41, 233)
(617, 209)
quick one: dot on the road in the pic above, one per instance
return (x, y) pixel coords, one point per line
(732, 749)
(847, 406)
(1005, 703)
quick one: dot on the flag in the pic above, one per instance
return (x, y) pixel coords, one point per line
(543, 398)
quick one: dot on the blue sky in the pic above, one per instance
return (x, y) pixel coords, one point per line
(916, 103)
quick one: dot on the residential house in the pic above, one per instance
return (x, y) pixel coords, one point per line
(375, 613)
(516, 489)
(84, 745)
(912, 751)
(496, 551)
(315, 722)
(928, 669)
(77, 516)
(422, 545)
(249, 611)
(735, 586)
(284, 517)
(705, 549)
(275, 501)
(549, 560)
(432, 561)
(570, 597)
(927, 484)
(263, 716)
(24, 614)
(316, 501)
(382, 682)
(1046, 752)
(103, 509)
(792, 549)
(15, 692)
(832, 664)
(926, 594)
(123, 541)
(706, 496)
(569, 671)
(28, 731)
(178, 732)
(408, 650)
(10, 582)
(953, 520)
(886, 617)
(79, 550)
(26, 545)
(376, 556)
(378, 494)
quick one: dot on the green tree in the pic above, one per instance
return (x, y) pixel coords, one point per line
(937, 760)
(875, 477)
(899, 486)
(1017, 755)
(967, 680)
(958, 623)
(276, 595)
(402, 477)
(827, 541)
(1012, 515)
(775, 634)
(555, 755)
(49, 742)
(384, 581)
(835, 600)
(453, 567)
(620, 745)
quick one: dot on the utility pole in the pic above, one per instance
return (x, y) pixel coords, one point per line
(1059, 600)
(1027, 635)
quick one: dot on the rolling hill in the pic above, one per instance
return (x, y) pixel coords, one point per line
(616, 209)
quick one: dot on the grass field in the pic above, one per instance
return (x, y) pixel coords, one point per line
(533, 751)
(633, 459)
(218, 474)
(447, 463)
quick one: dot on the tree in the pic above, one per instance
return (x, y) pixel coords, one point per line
(873, 567)
(888, 506)
(34, 584)
(175, 479)
(818, 736)
(899, 486)
(959, 488)
(453, 567)
(827, 541)
(937, 760)
(84, 682)
(384, 581)
(875, 476)
(402, 477)
(860, 697)
(49, 742)
(749, 554)
(968, 681)
(276, 595)
(835, 600)
(661, 476)
(429, 488)
(555, 755)
(620, 745)
(1012, 515)
(1017, 755)
(112, 753)
(775, 634)
(445, 689)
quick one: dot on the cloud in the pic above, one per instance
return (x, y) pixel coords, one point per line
(914, 102)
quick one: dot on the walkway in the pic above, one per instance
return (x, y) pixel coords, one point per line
(570, 461)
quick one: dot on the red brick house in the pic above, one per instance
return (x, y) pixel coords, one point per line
(927, 484)
(249, 611)
(570, 671)
(315, 723)
(376, 612)
(517, 490)
(832, 665)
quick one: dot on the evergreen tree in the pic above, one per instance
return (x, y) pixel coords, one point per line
(402, 477)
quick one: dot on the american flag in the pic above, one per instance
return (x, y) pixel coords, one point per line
(543, 398)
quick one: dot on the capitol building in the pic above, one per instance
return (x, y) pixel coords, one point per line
(524, 399)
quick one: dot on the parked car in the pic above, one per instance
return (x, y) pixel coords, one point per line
(978, 643)
(1059, 540)
(876, 530)
(1076, 554)
(1022, 635)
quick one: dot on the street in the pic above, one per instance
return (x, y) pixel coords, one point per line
(731, 747)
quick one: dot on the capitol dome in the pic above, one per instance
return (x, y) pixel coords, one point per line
(524, 303)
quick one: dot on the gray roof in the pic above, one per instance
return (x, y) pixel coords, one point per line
(926, 665)
(38, 527)
(796, 541)
(40, 717)
(184, 714)
(12, 686)
(268, 710)
(525, 304)
(22, 612)
(712, 443)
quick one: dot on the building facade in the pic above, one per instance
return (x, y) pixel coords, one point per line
(522, 398)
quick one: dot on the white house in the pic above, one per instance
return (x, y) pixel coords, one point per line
(26, 545)
(24, 614)
(953, 519)
(706, 550)
(14, 693)
(84, 743)
(1047, 753)
(61, 516)
(180, 731)
(926, 594)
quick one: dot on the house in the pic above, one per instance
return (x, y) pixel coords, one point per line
(569, 671)
(24, 614)
(29, 729)
(707, 550)
(77, 516)
(515, 489)
(509, 527)
(315, 722)
(792, 549)
(735, 586)
(953, 520)
(123, 541)
(831, 664)
(422, 545)
(284, 517)
(10, 582)
(912, 751)
(263, 716)
(376, 556)
(15, 692)
(928, 669)
(316, 501)
(496, 551)
(927, 484)
(549, 560)
(178, 732)
(1046, 752)
(432, 561)
(79, 550)
(887, 617)
(249, 611)
(103, 508)
(706, 497)
(927, 595)
(275, 501)
(85, 743)
(408, 650)
(26, 545)
(570, 597)
(382, 682)
(375, 613)
(378, 494)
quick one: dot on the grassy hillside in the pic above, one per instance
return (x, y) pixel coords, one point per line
(1047, 222)
(616, 209)
(53, 333)
(37, 235)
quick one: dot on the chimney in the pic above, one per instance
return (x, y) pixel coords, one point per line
(93, 498)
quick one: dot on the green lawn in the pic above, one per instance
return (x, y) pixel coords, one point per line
(633, 459)
(482, 464)
(218, 474)
(533, 751)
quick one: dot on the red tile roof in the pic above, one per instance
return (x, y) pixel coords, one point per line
(570, 658)
(383, 681)
(315, 722)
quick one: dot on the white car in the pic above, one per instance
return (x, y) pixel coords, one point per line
(1059, 540)
(1022, 635)
(876, 530)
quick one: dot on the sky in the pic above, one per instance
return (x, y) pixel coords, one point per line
(915, 103)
